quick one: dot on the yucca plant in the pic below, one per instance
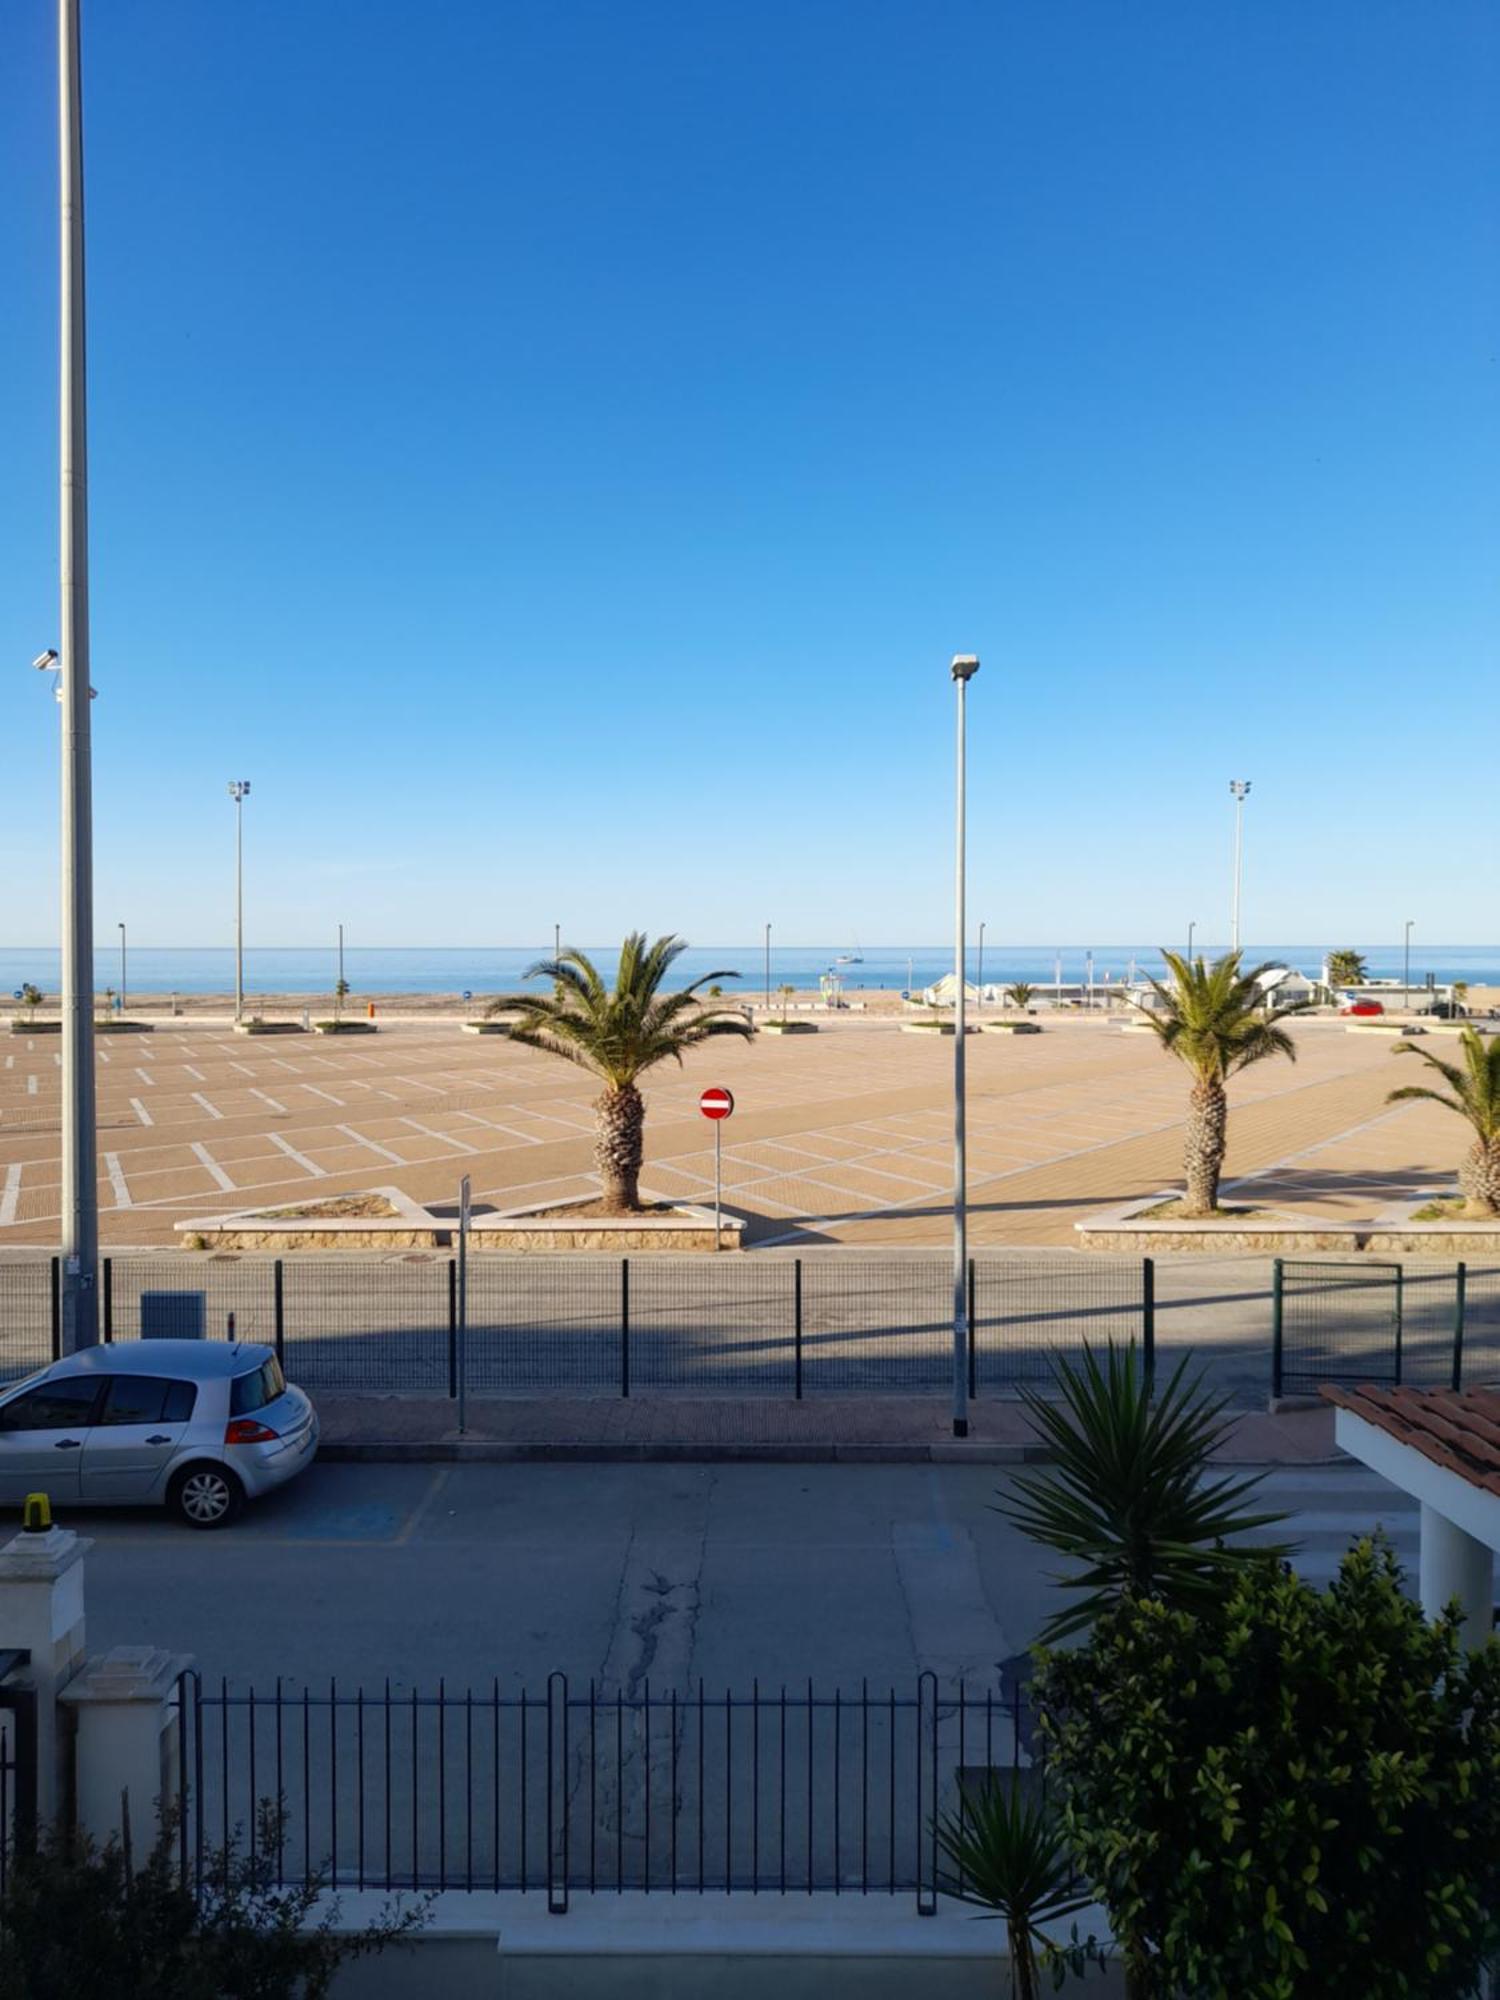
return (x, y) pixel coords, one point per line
(619, 1034)
(1218, 1020)
(1127, 1491)
(1476, 1096)
(1008, 1855)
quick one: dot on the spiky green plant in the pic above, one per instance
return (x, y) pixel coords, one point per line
(31, 999)
(1127, 1491)
(1020, 995)
(1217, 1020)
(1346, 968)
(1008, 1855)
(619, 1033)
(1476, 1097)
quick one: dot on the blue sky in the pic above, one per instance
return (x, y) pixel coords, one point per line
(553, 449)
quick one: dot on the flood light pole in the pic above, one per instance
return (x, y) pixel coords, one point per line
(1239, 790)
(1406, 969)
(121, 929)
(79, 1245)
(768, 969)
(964, 668)
(239, 790)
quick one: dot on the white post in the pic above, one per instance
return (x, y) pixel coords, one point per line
(462, 1330)
(1453, 1565)
(718, 1176)
(1240, 788)
(42, 1613)
(125, 1715)
(239, 906)
(80, 1195)
(963, 670)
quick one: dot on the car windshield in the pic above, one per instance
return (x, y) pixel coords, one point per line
(253, 1391)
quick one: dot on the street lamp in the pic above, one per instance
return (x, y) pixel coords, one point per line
(964, 668)
(1239, 790)
(768, 969)
(1406, 969)
(979, 981)
(239, 789)
(1191, 928)
(121, 929)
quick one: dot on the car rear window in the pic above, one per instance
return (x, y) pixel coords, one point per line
(253, 1391)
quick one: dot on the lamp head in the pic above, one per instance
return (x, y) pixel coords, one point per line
(965, 666)
(46, 662)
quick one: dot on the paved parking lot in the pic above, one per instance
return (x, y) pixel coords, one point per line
(842, 1136)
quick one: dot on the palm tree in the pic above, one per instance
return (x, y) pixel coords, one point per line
(1009, 1855)
(1346, 968)
(1128, 1490)
(1216, 1019)
(1020, 995)
(1476, 1096)
(31, 999)
(786, 993)
(619, 1035)
(340, 995)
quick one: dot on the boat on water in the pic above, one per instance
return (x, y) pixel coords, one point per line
(850, 957)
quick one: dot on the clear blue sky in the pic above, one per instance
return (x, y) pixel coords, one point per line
(553, 449)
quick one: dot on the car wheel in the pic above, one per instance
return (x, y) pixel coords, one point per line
(206, 1496)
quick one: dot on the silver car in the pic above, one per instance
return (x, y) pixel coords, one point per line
(198, 1426)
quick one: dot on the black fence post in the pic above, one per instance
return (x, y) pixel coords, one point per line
(973, 1345)
(109, 1299)
(452, 1329)
(278, 1308)
(624, 1326)
(1460, 1290)
(797, 1320)
(57, 1309)
(1400, 1316)
(1276, 1329)
(1148, 1321)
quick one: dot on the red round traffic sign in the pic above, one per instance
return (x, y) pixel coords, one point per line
(716, 1102)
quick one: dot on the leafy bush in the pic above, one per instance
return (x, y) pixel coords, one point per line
(78, 1920)
(1289, 1794)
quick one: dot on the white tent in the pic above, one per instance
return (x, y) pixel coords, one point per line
(944, 992)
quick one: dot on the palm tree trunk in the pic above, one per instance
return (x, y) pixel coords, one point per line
(1207, 1137)
(618, 1147)
(1479, 1177)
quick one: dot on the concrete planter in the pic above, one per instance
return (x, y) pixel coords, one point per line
(788, 1027)
(410, 1227)
(268, 1028)
(36, 1027)
(485, 1027)
(1130, 1227)
(1010, 1028)
(927, 1027)
(681, 1228)
(123, 1028)
(345, 1028)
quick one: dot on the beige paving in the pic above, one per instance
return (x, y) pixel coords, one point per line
(842, 1136)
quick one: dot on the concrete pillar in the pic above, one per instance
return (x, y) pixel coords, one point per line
(41, 1612)
(125, 1707)
(1453, 1565)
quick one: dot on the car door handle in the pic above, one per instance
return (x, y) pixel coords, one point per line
(67, 1444)
(160, 1438)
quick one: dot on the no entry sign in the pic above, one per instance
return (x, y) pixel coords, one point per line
(716, 1102)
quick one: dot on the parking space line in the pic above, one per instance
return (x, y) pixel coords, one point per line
(201, 1153)
(327, 1095)
(188, 1067)
(360, 1140)
(212, 1109)
(282, 1063)
(116, 1181)
(31, 1086)
(271, 1101)
(436, 1487)
(141, 1112)
(494, 1125)
(245, 1069)
(447, 1138)
(145, 1076)
(10, 1195)
(312, 1167)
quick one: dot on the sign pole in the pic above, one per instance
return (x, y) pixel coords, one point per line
(463, 1303)
(718, 1175)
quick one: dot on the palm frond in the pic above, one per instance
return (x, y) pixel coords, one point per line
(1475, 1086)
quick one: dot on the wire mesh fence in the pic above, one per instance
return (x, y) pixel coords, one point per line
(1423, 1326)
(608, 1326)
(571, 1789)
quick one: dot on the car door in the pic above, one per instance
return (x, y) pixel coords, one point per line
(43, 1431)
(135, 1435)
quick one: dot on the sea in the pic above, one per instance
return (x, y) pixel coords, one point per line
(478, 971)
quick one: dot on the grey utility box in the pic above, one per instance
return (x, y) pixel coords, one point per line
(172, 1315)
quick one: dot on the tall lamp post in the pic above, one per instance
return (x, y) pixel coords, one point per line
(79, 1242)
(1406, 969)
(768, 970)
(123, 995)
(1239, 790)
(1191, 928)
(239, 789)
(979, 980)
(964, 668)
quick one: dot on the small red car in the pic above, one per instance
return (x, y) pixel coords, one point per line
(1364, 1007)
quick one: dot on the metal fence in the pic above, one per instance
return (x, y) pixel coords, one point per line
(1385, 1323)
(584, 1790)
(607, 1326)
